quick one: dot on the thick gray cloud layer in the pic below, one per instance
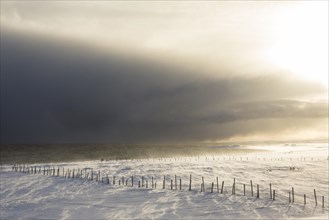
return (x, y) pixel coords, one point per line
(58, 91)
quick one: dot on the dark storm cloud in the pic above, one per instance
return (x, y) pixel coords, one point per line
(53, 90)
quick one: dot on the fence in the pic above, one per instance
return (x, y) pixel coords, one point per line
(168, 183)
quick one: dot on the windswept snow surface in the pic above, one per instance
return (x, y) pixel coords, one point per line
(304, 167)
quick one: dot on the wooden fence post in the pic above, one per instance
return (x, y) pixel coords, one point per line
(293, 194)
(244, 189)
(180, 184)
(270, 191)
(257, 191)
(252, 189)
(316, 201)
(304, 199)
(164, 182)
(221, 191)
(190, 187)
(212, 187)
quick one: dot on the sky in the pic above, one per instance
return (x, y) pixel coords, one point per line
(164, 71)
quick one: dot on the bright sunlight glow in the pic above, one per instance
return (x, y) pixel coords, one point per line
(301, 41)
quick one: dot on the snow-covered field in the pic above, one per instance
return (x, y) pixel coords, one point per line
(302, 166)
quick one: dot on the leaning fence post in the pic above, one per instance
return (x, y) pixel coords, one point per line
(221, 191)
(252, 190)
(316, 201)
(289, 198)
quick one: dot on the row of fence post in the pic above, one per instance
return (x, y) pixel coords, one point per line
(84, 173)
